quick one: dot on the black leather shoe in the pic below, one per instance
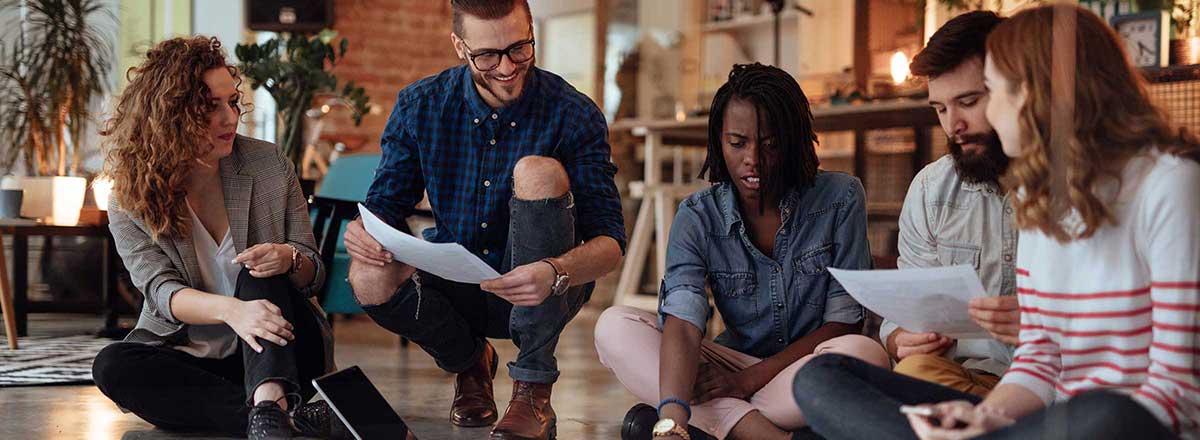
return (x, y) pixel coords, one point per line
(639, 425)
(268, 422)
(317, 419)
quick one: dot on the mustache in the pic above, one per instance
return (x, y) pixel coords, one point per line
(972, 138)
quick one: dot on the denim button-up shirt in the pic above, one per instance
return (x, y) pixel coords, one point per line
(767, 303)
(947, 221)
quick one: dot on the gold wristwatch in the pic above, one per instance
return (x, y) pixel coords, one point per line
(666, 427)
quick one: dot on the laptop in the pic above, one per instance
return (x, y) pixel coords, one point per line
(360, 405)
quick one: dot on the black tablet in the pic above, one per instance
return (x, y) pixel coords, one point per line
(360, 406)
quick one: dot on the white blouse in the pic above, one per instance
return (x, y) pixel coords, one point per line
(219, 274)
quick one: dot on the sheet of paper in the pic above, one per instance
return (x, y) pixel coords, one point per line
(919, 300)
(450, 261)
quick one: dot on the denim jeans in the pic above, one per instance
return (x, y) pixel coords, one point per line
(172, 389)
(845, 398)
(450, 320)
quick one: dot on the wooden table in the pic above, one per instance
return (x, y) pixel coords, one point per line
(15, 299)
(657, 209)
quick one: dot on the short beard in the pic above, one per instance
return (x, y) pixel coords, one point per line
(984, 167)
(481, 81)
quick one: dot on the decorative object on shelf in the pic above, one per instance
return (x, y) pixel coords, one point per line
(1185, 44)
(294, 68)
(1146, 36)
(52, 74)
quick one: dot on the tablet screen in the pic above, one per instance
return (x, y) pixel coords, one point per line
(360, 405)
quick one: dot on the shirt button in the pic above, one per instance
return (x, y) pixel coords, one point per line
(485, 252)
(779, 306)
(774, 270)
(484, 225)
(494, 116)
(780, 340)
(512, 124)
(487, 183)
(1008, 210)
(477, 121)
(492, 142)
(1008, 258)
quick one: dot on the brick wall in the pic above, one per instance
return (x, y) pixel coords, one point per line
(393, 43)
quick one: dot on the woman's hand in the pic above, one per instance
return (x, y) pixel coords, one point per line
(266, 260)
(714, 382)
(956, 420)
(258, 319)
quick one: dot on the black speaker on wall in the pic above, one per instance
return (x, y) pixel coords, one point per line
(289, 15)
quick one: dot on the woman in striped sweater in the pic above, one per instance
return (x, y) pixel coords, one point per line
(1109, 255)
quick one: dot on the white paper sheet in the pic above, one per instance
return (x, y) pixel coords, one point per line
(450, 261)
(919, 300)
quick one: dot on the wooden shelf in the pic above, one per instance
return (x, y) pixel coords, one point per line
(747, 23)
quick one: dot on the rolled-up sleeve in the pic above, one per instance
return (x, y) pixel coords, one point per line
(853, 253)
(149, 267)
(588, 162)
(683, 294)
(399, 184)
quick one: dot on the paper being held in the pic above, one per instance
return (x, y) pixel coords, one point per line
(449, 261)
(919, 300)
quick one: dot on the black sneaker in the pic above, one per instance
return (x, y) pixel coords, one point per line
(268, 422)
(639, 425)
(316, 419)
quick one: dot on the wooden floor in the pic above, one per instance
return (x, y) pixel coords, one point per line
(588, 399)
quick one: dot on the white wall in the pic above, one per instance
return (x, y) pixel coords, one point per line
(223, 19)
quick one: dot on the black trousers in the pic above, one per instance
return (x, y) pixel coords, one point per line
(175, 390)
(845, 398)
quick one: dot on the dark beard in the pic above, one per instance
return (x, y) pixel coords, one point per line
(984, 167)
(479, 80)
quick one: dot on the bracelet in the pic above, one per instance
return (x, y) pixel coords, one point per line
(295, 261)
(676, 401)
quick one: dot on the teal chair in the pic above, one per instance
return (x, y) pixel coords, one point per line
(333, 206)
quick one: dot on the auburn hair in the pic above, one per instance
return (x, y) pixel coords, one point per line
(1099, 103)
(159, 128)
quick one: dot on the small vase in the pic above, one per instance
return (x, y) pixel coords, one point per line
(1185, 52)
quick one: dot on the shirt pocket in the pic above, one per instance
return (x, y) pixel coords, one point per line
(811, 281)
(735, 296)
(954, 254)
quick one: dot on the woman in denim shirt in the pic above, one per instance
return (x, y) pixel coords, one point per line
(760, 239)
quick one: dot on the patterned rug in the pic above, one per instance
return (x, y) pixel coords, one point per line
(45, 360)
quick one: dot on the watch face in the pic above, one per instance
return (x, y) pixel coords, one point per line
(664, 426)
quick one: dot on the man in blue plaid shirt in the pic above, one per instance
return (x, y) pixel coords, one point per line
(517, 169)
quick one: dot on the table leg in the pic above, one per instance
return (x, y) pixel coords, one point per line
(635, 255)
(108, 293)
(6, 302)
(20, 277)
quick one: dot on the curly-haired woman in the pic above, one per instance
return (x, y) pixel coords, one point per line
(215, 232)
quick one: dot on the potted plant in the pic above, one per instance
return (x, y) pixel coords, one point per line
(51, 74)
(295, 68)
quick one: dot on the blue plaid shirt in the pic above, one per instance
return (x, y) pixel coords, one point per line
(443, 138)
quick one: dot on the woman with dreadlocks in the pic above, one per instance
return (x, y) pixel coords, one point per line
(760, 239)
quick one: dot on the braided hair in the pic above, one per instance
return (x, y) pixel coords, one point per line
(783, 111)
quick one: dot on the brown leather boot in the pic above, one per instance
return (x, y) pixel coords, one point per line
(529, 415)
(474, 403)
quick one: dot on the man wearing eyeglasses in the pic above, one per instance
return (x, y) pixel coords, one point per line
(516, 165)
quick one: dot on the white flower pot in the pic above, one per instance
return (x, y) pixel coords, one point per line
(55, 200)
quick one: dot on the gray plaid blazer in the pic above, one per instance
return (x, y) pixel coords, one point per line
(262, 196)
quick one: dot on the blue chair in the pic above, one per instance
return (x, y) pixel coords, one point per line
(333, 206)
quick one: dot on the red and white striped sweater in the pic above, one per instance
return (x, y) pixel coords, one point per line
(1120, 309)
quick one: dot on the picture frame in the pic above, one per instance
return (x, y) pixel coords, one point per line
(1146, 36)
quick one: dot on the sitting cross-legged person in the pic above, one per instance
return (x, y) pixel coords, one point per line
(762, 237)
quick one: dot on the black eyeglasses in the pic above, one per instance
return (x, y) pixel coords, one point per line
(486, 60)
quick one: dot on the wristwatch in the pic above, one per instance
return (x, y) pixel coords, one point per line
(666, 427)
(562, 279)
